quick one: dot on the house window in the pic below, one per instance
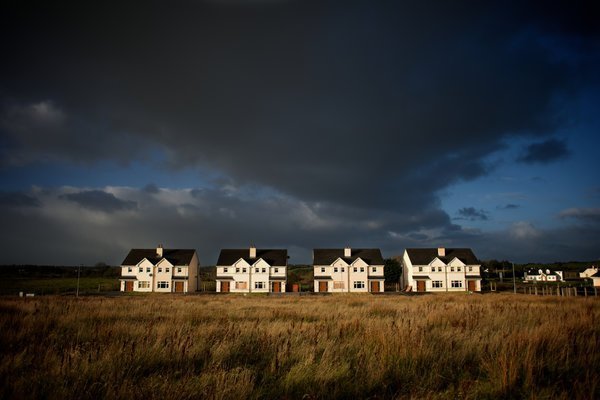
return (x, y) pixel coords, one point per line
(456, 284)
(224, 270)
(458, 269)
(359, 285)
(167, 269)
(437, 284)
(451, 269)
(470, 269)
(243, 270)
(140, 270)
(338, 285)
(179, 269)
(259, 285)
(322, 269)
(256, 270)
(241, 285)
(237, 270)
(355, 269)
(362, 269)
(129, 269)
(335, 269)
(420, 269)
(264, 270)
(439, 269)
(275, 270)
(143, 284)
(148, 269)
(374, 269)
(160, 270)
(343, 269)
(162, 284)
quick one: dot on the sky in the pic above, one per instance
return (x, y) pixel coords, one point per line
(298, 124)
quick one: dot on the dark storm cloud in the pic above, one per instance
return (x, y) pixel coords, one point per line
(326, 101)
(545, 152)
(471, 214)
(99, 200)
(18, 199)
(355, 114)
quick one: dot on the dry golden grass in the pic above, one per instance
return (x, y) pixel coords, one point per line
(224, 347)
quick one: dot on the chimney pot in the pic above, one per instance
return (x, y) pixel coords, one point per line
(441, 252)
(159, 250)
(252, 252)
(347, 252)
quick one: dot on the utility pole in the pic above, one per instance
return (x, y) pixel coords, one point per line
(514, 281)
(78, 274)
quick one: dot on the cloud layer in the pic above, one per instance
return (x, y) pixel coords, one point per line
(327, 123)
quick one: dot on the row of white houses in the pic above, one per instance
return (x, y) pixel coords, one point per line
(339, 270)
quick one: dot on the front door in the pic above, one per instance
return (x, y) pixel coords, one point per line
(276, 287)
(225, 287)
(374, 286)
(179, 287)
(322, 286)
(129, 286)
(420, 286)
(471, 285)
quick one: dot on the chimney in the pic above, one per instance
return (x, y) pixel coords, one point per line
(159, 250)
(347, 252)
(441, 252)
(252, 252)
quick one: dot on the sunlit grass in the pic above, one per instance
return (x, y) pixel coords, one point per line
(221, 346)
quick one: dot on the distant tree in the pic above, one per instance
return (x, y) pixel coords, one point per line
(392, 270)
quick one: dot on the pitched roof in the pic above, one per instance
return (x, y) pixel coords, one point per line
(427, 255)
(328, 256)
(174, 256)
(273, 257)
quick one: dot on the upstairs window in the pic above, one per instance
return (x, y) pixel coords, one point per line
(159, 270)
(179, 269)
(420, 269)
(148, 270)
(343, 269)
(276, 270)
(256, 270)
(140, 270)
(237, 270)
(451, 269)
(224, 269)
(355, 269)
(439, 269)
(470, 269)
(264, 270)
(243, 270)
(374, 269)
(335, 269)
(458, 269)
(167, 269)
(322, 269)
(362, 269)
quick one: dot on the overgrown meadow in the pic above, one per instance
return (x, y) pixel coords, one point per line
(362, 346)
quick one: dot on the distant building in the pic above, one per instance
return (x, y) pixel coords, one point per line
(441, 270)
(252, 270)
(541, 275)
(348, 270)
(160, 270)
(593, 274)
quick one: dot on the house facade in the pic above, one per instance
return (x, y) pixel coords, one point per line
(592, 273)
(441, 270)
(348, 270)
(540, 275)
(252, 270)
(160, 270)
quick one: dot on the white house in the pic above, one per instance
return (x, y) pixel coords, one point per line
(593, 274)
(441, 270)
(252, 270)
(348, 270)
(540, 275)
(160, 270)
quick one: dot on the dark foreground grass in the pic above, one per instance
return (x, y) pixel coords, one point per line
(223, 347)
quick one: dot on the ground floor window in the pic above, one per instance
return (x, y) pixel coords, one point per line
(338, 285)
(437, 284)
(457, 284)
(259, 285)
(162, 285)
(143, 285)
(241, 285)
(359, 284)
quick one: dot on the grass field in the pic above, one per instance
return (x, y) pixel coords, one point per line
(227, 346)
